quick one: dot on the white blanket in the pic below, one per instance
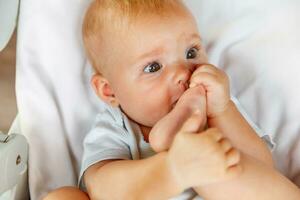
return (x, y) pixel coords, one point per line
(255, 42)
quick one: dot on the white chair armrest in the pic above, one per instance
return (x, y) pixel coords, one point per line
(9, 10)
(13, 160)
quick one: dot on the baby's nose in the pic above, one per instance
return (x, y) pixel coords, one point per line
(182, 75)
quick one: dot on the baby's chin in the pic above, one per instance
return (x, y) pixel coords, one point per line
(151, 120)
(149, 123)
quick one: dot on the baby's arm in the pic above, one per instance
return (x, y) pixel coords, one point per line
(223, 114)
(241, 134)
(204, 161)
(131, 179)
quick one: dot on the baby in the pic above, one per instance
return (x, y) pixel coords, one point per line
(170, 129)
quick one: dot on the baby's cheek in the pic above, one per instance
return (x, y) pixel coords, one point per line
(152, 115)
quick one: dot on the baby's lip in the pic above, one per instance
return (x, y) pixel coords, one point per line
(183, 88)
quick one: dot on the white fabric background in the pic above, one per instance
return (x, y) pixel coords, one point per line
(255, 42)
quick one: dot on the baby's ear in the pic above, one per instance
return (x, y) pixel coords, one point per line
(103, 89)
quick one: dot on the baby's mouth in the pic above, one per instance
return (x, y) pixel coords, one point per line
(184, 87)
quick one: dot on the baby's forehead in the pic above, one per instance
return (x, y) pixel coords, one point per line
(107, 24)
(118, 13)
(149, 22)
(150, 34)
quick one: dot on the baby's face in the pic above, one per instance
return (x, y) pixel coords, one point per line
(152, 64)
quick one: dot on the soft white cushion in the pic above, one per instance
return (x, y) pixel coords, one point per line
(8, 20)
(55, 102)
(256, 42)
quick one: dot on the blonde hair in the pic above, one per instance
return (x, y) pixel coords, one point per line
(111, 15)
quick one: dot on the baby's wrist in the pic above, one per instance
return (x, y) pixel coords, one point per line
(227, 108)
(172, 175)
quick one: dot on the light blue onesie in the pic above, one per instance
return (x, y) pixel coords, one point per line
(114, 136)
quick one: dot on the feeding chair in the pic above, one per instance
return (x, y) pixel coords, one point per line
(256, 42)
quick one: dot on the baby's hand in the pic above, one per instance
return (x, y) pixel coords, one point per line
(163, 133)
(216, 84)
(197, 159)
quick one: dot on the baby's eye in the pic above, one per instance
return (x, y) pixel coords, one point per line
(192, 53)
(153, 67)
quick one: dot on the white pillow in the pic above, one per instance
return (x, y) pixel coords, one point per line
(56, 105)
(55, 102)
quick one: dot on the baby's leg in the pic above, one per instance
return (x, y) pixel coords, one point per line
(257, 181)
(67, 193)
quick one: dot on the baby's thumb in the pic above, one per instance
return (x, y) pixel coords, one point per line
(195, 123)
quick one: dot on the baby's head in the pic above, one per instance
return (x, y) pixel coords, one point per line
(143, 52)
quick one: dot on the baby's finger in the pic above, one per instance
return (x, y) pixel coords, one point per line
(206, 68)
(233, 157)
(225, 145)
(200, 91)
(204, 78)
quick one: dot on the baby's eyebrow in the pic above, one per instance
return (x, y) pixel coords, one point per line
(153, 52)
(194, 36)
(159, 50)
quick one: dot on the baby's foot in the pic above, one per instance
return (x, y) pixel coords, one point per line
(162, 134)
